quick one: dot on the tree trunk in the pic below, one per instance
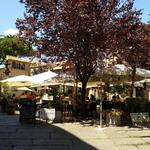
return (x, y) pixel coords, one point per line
(83, 94)
(133, 80)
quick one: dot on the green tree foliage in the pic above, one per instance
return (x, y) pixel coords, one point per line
(14, 46)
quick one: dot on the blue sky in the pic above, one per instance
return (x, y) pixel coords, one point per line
(10, 10)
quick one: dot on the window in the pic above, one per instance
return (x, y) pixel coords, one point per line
(17, 65)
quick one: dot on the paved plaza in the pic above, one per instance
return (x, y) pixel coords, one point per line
(69, 136)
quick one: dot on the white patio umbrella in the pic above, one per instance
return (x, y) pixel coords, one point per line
(45, 76)
(23, 89)
(21, 80)
(141, 82)
(143, 72)
(117, 70)
(121, 69)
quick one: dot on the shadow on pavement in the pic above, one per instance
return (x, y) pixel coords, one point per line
(41, 136)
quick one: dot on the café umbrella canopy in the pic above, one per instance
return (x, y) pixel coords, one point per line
(121, 73)
(21, 80)
(42, 77)
(122, 69)
(24, 89)
(143, 82)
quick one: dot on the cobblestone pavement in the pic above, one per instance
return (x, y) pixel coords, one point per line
(69, 136)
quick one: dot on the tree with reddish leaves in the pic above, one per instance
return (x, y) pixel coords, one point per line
(137, 55)
(76, 31)
(134, 44)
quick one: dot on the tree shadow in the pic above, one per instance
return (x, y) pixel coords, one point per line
(41, 136)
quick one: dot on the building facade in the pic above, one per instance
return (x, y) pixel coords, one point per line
(14, 66)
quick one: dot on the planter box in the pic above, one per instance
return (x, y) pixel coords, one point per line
(47, 114)
(50, 114)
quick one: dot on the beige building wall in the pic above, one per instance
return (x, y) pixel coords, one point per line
(16, 66)
(19, 66)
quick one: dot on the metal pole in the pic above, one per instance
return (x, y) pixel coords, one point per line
(100, 119)
(100, 107)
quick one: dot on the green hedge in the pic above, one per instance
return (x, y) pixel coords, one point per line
(137, 105)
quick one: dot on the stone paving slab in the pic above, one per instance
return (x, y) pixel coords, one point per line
(128, 141)
(146, 139)
(4, 135)
(83, 148)
(144, 147)
(42, 148)
(127, 148)
(117, 148)
(5, 148)
(141, 133)
(53, 142)
(4, 129)
(57, 136)
(14, 142)
(28, 135)
(69, 136)
(104, 144)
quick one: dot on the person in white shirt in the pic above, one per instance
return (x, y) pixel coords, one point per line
(45, 100)
(45, 97)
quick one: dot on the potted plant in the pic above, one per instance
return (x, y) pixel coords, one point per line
(4, 97)
(115, 117)
(55, 103)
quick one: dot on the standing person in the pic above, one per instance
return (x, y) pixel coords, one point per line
(113, 101)
(87, 106)
(45, 99)
(92, 105)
